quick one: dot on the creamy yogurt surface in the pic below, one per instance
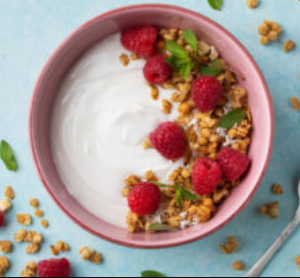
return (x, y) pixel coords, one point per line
(102, 115)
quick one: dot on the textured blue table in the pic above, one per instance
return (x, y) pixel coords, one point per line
(31, 29)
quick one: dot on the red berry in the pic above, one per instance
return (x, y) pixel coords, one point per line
(234, 163)
(140, 40)
(2, 218)
(207, 175)
(144, 199)
(169, 140)
(156, 70)
(54, 268)
(207, 93)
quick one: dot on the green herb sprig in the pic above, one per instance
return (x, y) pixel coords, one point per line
(151, 273)
(213, 69)
(191, 38)
(157, 227)
(7, 156)
(216, 4)
(232, 118)
(180, 60)
(181, 194)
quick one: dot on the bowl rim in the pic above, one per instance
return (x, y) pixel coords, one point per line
(78, 31)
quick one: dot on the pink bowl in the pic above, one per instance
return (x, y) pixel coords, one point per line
(109, 23)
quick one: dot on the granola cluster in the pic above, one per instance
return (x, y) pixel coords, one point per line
(4, 266)
(30, 270)
(231, 246)
(269, 31)
(289, 46)
(59, 247)
(295, 102)
(204, 136)
(252, 4)
(33, 239)
(89, 254)
(271, 210)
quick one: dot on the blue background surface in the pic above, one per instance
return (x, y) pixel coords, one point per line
(29, 32)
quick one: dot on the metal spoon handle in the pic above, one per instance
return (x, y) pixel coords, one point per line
(266, 258)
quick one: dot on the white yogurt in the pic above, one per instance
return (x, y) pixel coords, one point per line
(101, 117)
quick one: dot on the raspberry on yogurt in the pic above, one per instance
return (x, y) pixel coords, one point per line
(169, 140)
(156, 70)
(140, 40)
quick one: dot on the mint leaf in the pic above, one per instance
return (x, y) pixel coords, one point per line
(216, 4)
(161, 185)
(177, 50)
(156, 227)
(186, 69)
(180, 60)
(213, 69)
(232, 118)
(190, 37)
(177, 63)
(7, 155)
(151, 273)
(181, 194)
(179, 198)
(186, 195)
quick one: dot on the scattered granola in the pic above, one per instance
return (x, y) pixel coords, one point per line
(289, 46)
(147, 144)
(33, 248)
(9, 193)
(230, 247)
(269, 31)
(96, 259)
(297, 261)
(39, 213)
(277, 189)
(6, 247)
(30, 270)
(20, 236)
(238, 266)
(44, 223)
(252, 3)
(5, 205)
(154, 92)
(37, 238)
(34, 202)
(271, 210)
(295, 101)
(28, 237)
(134, 57)
(24, 219)
(4, 265)
(132, 180)
(88, 254)
(150, 176)
(166, 106)
(59, 247)
(124, 60)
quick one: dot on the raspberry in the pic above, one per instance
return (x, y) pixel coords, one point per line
(2, 218)
(234, 163)
(207, 175)
(144, 199)
(156, 70)
(207, 93)
(54, 268)
(140, 40)
(169, 140)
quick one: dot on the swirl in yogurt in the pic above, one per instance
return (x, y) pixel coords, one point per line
(102, 115)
